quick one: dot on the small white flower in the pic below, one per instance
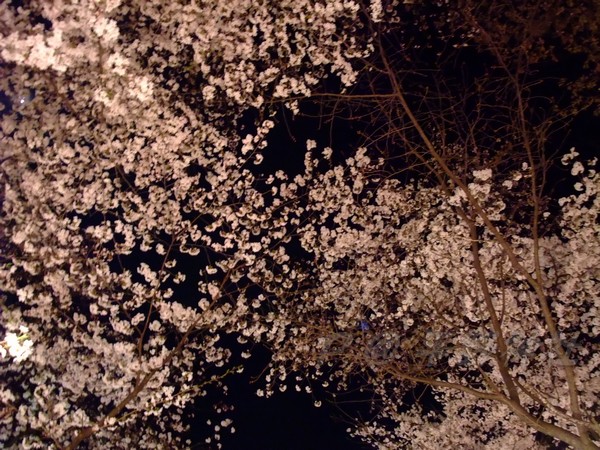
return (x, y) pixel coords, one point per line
(482, 175)
(376, 10)
(106, 29)
(577, 168)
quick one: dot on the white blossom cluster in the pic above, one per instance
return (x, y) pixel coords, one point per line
(118, 175)
(137, 233)
(400, 258)
(17, 346)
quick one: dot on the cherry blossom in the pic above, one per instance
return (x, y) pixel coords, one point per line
(125, 169)
(137, 230)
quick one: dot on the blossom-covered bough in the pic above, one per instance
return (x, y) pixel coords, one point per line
(130, 211)
(135, 230)
(470, 279)
(452, 301)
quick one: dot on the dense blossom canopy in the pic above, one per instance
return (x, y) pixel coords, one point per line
(122, 165)
(137, 228)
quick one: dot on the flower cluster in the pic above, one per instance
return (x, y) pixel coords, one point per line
(408, 286)
(17, 346)
(136, 231)
(131, 213)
